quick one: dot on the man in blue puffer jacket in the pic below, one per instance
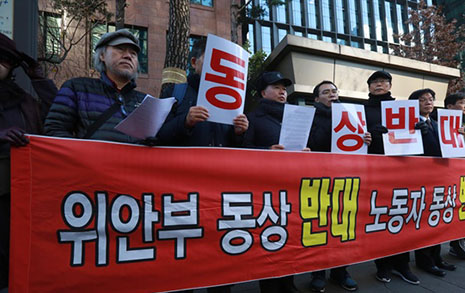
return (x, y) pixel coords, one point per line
(79, 107)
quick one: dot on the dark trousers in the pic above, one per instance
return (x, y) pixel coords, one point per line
(428, 257)
(4, 238)
(278, 285)
(336, 273)
(398, 261)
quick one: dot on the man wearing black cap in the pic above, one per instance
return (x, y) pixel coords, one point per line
(264, 130)
(429, 259)
(91, 108)
(187, 124)
(265, 121)
(379, 85)
(20, 113)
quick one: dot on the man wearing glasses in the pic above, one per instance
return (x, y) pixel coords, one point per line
(91, 108)
(325, 94)
(429, 259)
(379, 86)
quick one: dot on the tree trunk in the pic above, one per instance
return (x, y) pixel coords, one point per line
(177, 43)
(119, 14)
(234, 20)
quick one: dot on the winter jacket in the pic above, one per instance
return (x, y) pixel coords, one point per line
(264, 125)
(81, 101)
(20, 109)
(175, 133)
(373, 116)
(320, 135)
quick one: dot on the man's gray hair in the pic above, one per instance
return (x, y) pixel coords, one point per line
(99, 65)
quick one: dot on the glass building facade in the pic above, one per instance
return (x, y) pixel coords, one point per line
(366, 24)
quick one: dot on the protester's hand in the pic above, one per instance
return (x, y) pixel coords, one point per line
(277, 147)
(367, 138)
(14, 135)
(306, 150)
(149, 141)
(379, 129)
(461, 130)
(241, 124)
(31, 67)
(423, 126)
(196, 114)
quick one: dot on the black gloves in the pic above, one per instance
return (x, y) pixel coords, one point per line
(423, 126)
(378, 129)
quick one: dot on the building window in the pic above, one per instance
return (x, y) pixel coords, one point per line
(327, 15)
(281, 34)
(250, 37)
(266, 39)
(313, 13)
(378, 25)
(208, 3)
(50, 33)
(297, 10)
(139, 32)
(266, 9)
(389, 21)
(281, 13)
(340, 21)
(366, 16)
(354, 19)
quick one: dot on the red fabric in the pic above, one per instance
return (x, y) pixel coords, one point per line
(49, 171)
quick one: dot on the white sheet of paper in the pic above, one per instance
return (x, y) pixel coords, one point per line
(295, 127)
(452, 143)
(400, 140)
(147, 119)
(223, 81)
(351, 145)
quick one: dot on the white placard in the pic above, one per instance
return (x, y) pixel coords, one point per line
(295, 127)
(452, 143)
(348, 128)
(223, 81)
(400, 117)
(147, 119)
(6, 17)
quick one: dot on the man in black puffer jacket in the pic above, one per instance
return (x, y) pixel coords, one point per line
(379, 85)
(263, 132)
(265, 121)
(326, 93)
(81, 103)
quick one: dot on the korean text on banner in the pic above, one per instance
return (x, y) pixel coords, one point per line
(125, 218)
(223, 81)
(348, 128)
(452, 142)
(400, 117)
(296, 125)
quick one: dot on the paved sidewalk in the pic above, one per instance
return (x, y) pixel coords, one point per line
(364, 274)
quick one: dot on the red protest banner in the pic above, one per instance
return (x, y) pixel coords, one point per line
(104, 217)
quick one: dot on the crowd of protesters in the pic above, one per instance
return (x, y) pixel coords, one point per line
(89, 108)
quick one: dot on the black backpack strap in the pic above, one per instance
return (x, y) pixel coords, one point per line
(102, 119)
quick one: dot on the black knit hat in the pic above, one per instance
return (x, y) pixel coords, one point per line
(8, 50)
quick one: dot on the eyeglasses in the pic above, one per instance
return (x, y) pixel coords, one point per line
(379, 81)
(328, 91)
